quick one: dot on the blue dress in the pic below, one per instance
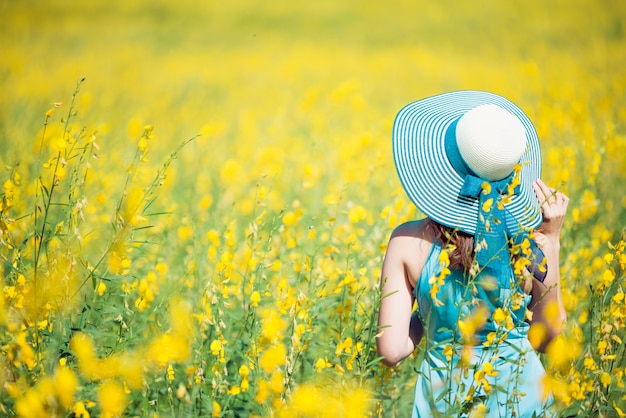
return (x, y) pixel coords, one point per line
(477, 355)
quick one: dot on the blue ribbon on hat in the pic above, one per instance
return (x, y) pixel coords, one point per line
(494, 226)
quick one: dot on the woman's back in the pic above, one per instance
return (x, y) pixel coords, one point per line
(476, 347)
(489, 304)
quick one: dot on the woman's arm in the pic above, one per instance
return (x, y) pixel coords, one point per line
(399, 331)
(547, 302)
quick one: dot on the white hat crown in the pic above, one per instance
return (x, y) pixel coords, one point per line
(491, 141)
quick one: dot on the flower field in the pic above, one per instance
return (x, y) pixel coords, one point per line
(196, 196)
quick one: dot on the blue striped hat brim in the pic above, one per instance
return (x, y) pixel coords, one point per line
(428, 177)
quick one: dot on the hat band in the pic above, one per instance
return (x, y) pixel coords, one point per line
(453, 153)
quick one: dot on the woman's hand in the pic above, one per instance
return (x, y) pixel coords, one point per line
(554, 207)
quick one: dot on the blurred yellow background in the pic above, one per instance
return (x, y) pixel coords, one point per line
(318, 82)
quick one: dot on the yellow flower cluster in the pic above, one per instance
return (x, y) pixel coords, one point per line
(49, 396)
(317, 400)
(594, 377)
(481, 375)
(437, 280)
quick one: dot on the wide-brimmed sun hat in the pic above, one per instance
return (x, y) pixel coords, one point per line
(445, 144)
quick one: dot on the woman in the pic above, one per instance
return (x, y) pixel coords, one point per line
(482, 266)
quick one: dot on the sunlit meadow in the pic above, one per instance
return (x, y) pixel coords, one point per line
(196, 196)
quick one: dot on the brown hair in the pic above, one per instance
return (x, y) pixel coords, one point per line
(463, 254)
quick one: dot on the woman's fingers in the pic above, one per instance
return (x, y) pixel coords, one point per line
(553, 203)
(546, 197)
(545, 194)
(561, 201)
(554, 207)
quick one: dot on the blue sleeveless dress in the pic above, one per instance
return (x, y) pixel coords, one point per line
(457, 381)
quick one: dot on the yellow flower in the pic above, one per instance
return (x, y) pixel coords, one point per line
(502, 318)
(470, 325)
(444, 258)
(59, 144)
(9, 189)
(607, 277)
(481, 380)
(310, 174)
(112, 399)
(273, 324)
(83, 347)
(356, 214)
(234, 390)
(520, 264)
(306, 401)
(244, 372)
(340, 370)
(605, 379)
(217, 410)
(263, 391)
(292, 218)
(65, 382)
(561, 352)
(310, 400)
(30, 405)
(487, 205)
(537, 334)
(216, 348)
(436, 281)
(214, 237)
(277, 381)
(80, 411)
(181, 391)
(489, 370)
(185, 233)
(491, 339)
(470, 393)
(169, 347)
(26, 352)
(101, 288)
(255, 298)
(479, 412)
(322, 364)
(273, 357)
(448, 351)
(503, 201)
(589, 363)
(344, 347)
(142, 144)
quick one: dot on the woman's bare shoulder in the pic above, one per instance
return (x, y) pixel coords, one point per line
(414, 229)
(410, 245)
(412, 238)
